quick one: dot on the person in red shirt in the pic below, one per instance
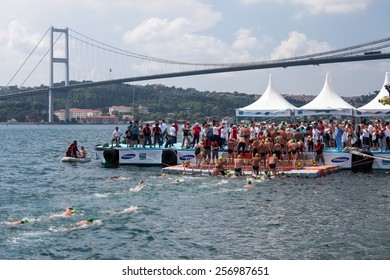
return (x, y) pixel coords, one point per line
(233, 132)
(196, 133)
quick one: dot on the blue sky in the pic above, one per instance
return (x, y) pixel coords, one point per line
(214, 32)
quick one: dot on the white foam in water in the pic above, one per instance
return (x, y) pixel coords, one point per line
(101, 195)
(130, 209)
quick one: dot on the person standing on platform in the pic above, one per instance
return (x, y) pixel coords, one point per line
(196, 133)
(116, 136)
(339, 134)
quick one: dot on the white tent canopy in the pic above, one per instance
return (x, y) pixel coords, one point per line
(374, 107)
(271, 103)
(327, 102)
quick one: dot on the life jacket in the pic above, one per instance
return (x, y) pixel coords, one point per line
(69, 151)
(319, 148)
(207, 143)
(146, 131)
(156, 130)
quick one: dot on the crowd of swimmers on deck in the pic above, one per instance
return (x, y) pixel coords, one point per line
(285, 140)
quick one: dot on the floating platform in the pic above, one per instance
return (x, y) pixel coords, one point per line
(205, 170)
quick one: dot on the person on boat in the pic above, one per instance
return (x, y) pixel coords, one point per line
(69, 211)
(255, 164)
(72, 150)
(219, 168)
(148, 135)
(128, 134)
(233, 132)
(339, 133)
(186, 135)
(86, 222)
(231, 145)
(20, 222)
(156, 135)
(238, 164)
(319, 148)
(198, 153)
(164, 131)
(214, 151)
(134, 134)
(263, 152)
(293, 147)
(141, 136)
(207, 149)
(82, 153)
(272, 162)
(196, 130)
(116, 136)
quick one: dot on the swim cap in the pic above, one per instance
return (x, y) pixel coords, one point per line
(249, 181)
(90, 220)
(24, 220)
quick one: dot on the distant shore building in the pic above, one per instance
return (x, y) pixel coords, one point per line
(120, 109)
(143, 109)
(75, 113)
(103, 120)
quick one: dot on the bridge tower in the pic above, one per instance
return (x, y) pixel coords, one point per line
(65, 61)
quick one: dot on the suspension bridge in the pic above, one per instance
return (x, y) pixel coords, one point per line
(94, 66)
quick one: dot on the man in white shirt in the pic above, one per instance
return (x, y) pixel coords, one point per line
(163, 128)
(116, 136)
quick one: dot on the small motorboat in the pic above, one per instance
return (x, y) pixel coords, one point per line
(73, 159)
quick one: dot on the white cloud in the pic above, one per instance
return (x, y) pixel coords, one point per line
(244, 39)
(298, 44)
(332, 6)
(18, 37)
(319, 6)
(157, 29)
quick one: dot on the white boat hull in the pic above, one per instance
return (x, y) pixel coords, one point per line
(73, 159)
(123, 155)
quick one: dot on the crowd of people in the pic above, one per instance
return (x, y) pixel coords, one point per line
(283, 138)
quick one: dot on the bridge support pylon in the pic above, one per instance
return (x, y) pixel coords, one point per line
(64, 60)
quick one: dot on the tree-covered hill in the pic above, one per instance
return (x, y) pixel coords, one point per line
(161, 101)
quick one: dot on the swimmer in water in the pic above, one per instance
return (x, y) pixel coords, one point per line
(86, 222)
(22, 221)
(249, 184)
(141, 185)
(116, 178)
(69, 211)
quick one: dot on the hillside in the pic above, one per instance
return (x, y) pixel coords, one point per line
(162, 101)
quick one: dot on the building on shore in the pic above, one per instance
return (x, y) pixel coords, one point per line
(103, 120)
(75, 113)
(120, 109)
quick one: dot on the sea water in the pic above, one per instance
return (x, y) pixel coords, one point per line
(341, 216)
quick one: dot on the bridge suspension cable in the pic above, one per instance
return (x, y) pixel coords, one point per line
(28, 57)
(360, 48)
